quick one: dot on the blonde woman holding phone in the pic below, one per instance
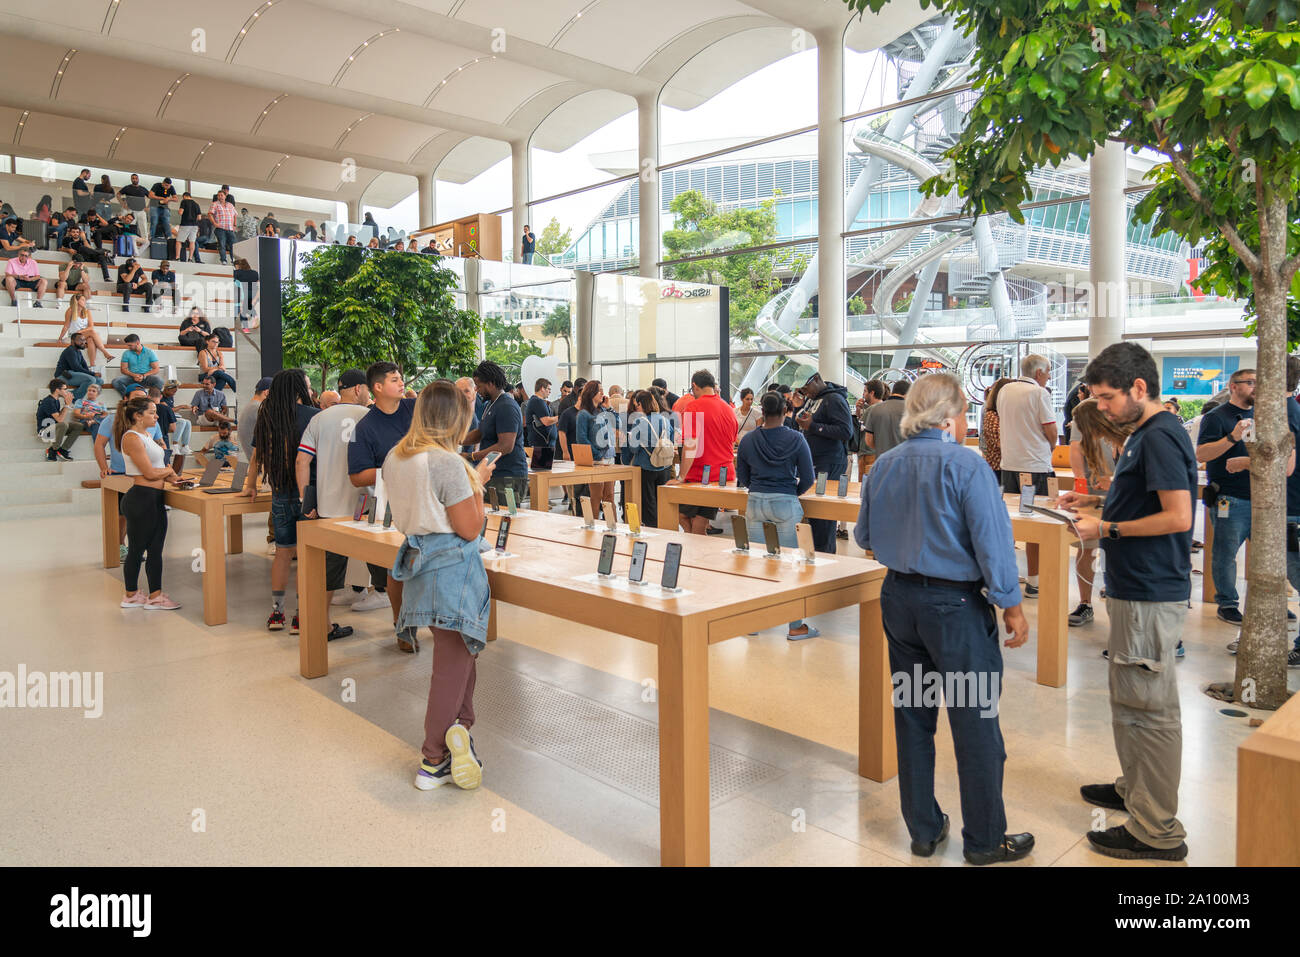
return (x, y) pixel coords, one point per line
(437, 503)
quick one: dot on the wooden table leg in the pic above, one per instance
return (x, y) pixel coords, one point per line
(212, 536)
(1207, 569)
(684, 747)
(1053, 609)
(877, 747)
(235, 534)
(492, 620)
(108, 508)
(537, 491)
(668, 514)
(314, 613)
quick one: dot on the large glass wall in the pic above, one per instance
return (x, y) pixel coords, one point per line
(643, 329)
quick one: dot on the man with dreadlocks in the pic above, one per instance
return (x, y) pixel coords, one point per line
(500, 429)
(281, 420)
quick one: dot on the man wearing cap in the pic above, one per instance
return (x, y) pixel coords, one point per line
(248, 417)
(160, 214)
(827, 424)
(181, 426)
(325, 444)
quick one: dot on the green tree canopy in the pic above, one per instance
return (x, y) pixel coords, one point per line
(699, 227)
(554, 240)
(350, 307)
(507, 347)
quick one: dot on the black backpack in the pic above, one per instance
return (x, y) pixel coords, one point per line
(224, 337)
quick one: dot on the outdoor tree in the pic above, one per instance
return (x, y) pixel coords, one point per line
(699, 227)
(350, 307)
(1211, 87)
(507, 347)
(552, 241)
(559, 325)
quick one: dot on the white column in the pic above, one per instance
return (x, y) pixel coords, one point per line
(1108, 234)
(354, 211)
(830, 205)
(519, 187)
(647, 130)
(428, 199)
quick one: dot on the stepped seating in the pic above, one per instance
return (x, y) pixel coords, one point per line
(211, 287)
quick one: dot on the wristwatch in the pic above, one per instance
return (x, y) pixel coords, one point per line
(1113, 531)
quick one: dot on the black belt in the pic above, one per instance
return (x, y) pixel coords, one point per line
(931, 581)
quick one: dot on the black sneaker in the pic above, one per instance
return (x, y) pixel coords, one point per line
(276, 621)
(1230, 615)
(1081, 615)
(1031, 591)
(1103, 795)
(293, 628)
(50, 456)
(336, 630)
(1293, 658)
(714, 531)
(36, 304)
(1118, 842)
(63, 454)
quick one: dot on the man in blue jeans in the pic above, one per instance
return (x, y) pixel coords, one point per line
(1218, 445)
(827, 424)
(73, 370)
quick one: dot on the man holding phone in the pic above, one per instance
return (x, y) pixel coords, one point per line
(827, 424)
(500, 429)
(1146, 532)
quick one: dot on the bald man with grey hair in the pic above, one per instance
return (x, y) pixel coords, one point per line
(1027, 425)
(328, 399)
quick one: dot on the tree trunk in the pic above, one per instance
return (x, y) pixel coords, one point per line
(1261, 657)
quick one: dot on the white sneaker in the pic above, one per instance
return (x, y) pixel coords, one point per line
(371, 601)
(345, 596)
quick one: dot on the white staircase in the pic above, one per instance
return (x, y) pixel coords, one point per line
(31, 487)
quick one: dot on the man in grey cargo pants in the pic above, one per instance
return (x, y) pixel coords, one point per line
(1145, 531)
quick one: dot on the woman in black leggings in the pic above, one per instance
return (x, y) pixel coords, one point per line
(146, 518)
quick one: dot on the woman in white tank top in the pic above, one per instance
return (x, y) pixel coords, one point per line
(143, 506)
(76, 319)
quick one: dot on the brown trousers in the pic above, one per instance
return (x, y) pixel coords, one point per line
(451, 692)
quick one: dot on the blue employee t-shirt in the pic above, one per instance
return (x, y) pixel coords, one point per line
(535, 410)
(376, 434)
(1158, 456)
(501, 416)
(1215, 425)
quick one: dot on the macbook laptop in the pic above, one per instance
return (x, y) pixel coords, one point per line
(544, 458)
(210, 473)
(236, 480)
(582, 455)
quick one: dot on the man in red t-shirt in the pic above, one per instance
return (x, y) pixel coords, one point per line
(708, 438)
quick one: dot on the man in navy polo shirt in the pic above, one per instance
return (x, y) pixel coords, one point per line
(388, 420)
(500, 429)
(1146, 532)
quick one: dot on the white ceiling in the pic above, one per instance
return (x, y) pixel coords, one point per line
(296, 94)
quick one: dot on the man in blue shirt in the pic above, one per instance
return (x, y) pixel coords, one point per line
(933, 514)
(73, 369)
(1145, 530)
(500, 429)
(139, 367)
(827, 424)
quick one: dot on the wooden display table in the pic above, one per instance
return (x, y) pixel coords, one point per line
(217, 541)
(1268, 790)
(540, 483)
(1052, 537)
(721, 600)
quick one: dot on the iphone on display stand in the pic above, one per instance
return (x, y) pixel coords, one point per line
(361, 507)
(637, 570)
(588, 517)
(844, 485)
(611, 517)
(740, 532)
(493, 501)
(722, 477)
(510, 501)
(388, 516)
(503, 535)
(370, 509)
(672, 564)
(1026, 493)
(633, 518)
(804, 531)
(704, 476)
(606, 565)
(772, 539)
(821, 483)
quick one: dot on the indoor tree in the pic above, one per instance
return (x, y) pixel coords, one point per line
(350, 307)
(559, 325)
(1213, 88)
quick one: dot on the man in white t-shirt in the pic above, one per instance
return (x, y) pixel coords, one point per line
(325, 442)
(1027, 426)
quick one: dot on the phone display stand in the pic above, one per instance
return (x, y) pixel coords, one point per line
(493, 555)
(619, 583)
(368, 527)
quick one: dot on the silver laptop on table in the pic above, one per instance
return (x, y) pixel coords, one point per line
(236, 479)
